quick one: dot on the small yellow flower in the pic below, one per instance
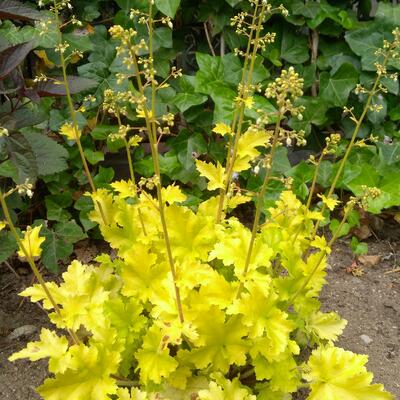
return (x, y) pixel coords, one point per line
(70, 132)
(2, 225)
(134, 141)
(141, 114)
(249, 102)
(31, 242)
(329, 202)
(222, 129)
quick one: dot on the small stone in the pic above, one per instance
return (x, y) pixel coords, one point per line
(25, 330)
(366, 339)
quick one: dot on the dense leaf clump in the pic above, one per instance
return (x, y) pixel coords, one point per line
(242, 333)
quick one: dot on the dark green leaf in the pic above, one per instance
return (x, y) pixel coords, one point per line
(168, 7)
(294, 46)
(12, 57)
(389, 153)
(335, 89)
(8, 245)
(186, 100)
(50, 156)
(55, 87)
(13, 9)
(94, 157)
(23, 158)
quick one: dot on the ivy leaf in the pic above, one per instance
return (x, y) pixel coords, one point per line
(388, 14)
(335, 89)
(389, 153)
(168, 7)
(188, 146)
(314, 114)
(22, 157)
(59, 243)
(211, 71)
(365, 43)
(233, 3)
(294, 47)
(186, 100)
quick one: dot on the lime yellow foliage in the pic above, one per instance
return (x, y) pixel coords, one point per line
(247, 148)
(125, 312)
(336, 374)
(215, 174)
(70, 132)
(222, 129)
(31, 242)
(329, 202)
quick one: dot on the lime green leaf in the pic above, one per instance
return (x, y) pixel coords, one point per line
(214, 174)
(50, 346)
(154, 361)
(88, 379)
(337, 374)
(220, 344)
(326, 325)
(226, 390)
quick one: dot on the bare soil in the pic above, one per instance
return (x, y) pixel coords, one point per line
(370, 303)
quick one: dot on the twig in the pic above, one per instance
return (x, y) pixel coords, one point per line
(8, 265)
(392, 271)
(209, 39)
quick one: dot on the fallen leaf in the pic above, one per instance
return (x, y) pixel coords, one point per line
(369, 260)
(363, 232)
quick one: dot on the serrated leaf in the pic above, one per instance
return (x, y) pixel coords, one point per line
(154, 360)
(334, 373)
(50, 156)
(327, 326)
(215, 174)
(50, 346)
(22, 157)
(89, 379)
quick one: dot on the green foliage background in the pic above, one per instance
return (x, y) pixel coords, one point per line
(332, 44)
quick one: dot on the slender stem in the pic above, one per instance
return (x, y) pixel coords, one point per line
(209, 39)
(314, 181)
(247, 78)
(152, 133)
(323, 255)
(72, 111)
(351, 144)
(260, 202)
(32, 264)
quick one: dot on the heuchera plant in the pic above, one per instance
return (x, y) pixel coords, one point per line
(194, 304)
